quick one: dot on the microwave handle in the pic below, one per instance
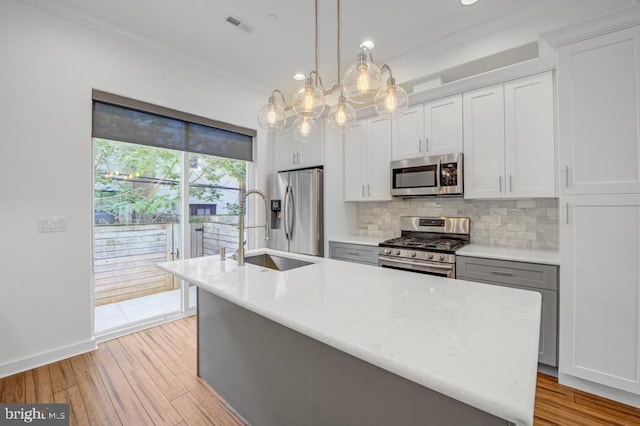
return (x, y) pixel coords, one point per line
(439, 174)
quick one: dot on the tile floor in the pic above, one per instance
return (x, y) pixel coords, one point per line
(115, 315)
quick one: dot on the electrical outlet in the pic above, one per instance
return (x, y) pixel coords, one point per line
(52, 224)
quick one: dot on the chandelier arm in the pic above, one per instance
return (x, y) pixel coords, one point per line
(384, 68)
(284, 102)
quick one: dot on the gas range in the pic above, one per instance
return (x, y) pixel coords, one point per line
(427, 245)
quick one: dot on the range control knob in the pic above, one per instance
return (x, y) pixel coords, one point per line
(441, 257)
(387, 251)
(413, 254)
(429, 256)
(397, 252)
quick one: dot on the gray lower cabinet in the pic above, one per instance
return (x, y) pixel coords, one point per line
(527, 276)
(359, 253)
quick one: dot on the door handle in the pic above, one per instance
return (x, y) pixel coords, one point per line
(292, 212)
(566, 176)
(419, 145)
(286, 213)
(294, 158)
(426, 144)
(510, 184)
(368, 190)
(499, 183)
(567, 214)
(298, 157)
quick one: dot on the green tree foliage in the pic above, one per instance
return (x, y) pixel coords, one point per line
(141, 183)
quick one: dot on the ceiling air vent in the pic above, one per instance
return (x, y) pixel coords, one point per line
(239, 23)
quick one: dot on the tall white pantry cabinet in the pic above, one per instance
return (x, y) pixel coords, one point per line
(599, 175)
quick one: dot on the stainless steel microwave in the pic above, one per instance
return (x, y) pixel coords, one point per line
(423, 176)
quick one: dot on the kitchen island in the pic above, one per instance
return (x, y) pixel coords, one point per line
(342, 343)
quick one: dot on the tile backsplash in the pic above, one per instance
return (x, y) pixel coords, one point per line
(523, 223)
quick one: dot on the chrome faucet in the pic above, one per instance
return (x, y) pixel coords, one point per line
(241, 226)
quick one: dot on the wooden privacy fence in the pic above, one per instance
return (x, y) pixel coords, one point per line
(125, 256)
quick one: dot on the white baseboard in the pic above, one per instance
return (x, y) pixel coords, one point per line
(600, 390)
(39, 360)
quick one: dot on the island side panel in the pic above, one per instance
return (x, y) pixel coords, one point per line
(274, 376)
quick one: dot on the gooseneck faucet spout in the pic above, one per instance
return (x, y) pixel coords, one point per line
(241, 227)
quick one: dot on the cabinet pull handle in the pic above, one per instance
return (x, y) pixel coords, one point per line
(566, 176)
(510, 184)
(298, 157)
(294, 158)
(419, 145)
(502, 273)
(567, 214)
(499, 183)
(426, 144)
(363, 190)
(369, 190)
(353, 253)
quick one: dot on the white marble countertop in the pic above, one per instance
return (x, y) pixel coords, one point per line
(357, 239)
(547, 257)
(472, 342)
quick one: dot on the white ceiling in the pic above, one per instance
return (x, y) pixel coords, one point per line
(267, 57)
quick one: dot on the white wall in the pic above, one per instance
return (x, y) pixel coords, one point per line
(49, 66)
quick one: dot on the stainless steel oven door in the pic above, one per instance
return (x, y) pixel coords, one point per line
(447, 270)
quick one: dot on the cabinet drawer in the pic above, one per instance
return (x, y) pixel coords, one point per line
(507, 272)
(353, 252)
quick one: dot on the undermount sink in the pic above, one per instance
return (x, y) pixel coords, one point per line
(277, 263)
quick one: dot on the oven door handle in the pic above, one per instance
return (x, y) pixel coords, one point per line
(421, 264)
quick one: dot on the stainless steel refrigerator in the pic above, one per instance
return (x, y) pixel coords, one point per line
(297, 219)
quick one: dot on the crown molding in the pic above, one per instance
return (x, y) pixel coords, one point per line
(618, 20)
(60, 10)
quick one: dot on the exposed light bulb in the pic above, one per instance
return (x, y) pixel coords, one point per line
(271, 116)
(391, 100)
(304, 129)
(362, 82)
(342, 115)
(308, 101)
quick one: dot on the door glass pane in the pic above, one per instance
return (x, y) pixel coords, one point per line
(137, 204)
(214, 184)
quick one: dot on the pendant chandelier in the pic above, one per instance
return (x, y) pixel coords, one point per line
(362, 84)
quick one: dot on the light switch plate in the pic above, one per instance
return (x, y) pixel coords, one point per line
(52, 224)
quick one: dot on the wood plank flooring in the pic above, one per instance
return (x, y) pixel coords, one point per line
(149, 378)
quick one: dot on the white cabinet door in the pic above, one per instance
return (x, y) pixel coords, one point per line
(378, 159)
(355, 162)
(529, 137)
(484, 143)
(293, 154)
(599, 114)
(408, 134)
(443, 126)
(600, 289)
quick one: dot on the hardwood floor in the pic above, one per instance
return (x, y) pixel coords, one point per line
(149, 378)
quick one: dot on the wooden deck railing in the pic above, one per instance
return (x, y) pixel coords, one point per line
(125, 255)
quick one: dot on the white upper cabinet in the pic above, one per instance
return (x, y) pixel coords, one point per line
(509, 148)
(529, 137)
(432, 128)
(443, 126)
(367, 154)
(293, 154)
(599, 114)
(484, 172)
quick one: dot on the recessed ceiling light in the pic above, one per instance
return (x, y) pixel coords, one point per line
(272, 17)
(468, 2)
(298, 76)
(368, 44)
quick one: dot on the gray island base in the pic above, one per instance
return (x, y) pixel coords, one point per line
(274, 376)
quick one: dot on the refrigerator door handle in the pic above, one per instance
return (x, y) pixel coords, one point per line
(291, 211)
(285, 213)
